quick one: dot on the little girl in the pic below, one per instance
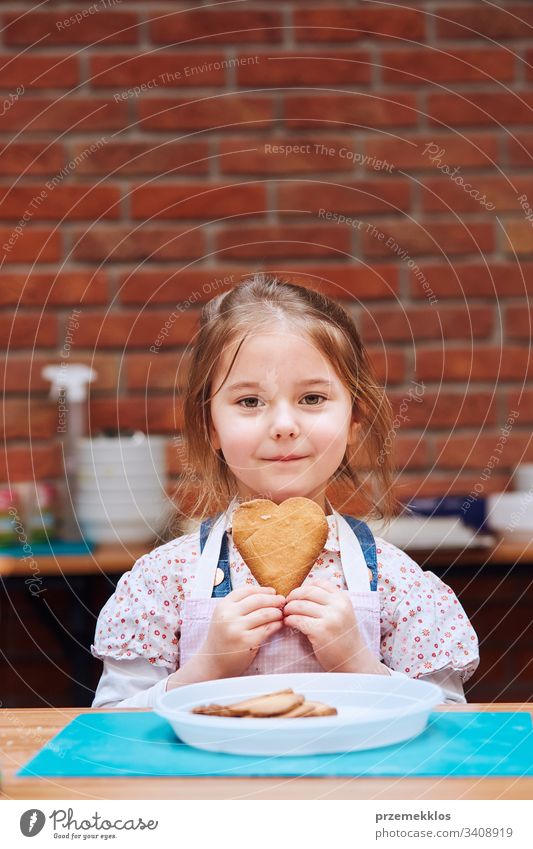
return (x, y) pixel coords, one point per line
(281, 401)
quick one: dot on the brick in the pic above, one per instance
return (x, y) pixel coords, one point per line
(430, 65)
(212, 26)
(522, 401)
(35, 420)
(281, 241)
(423, 408)
(159, 371)
(518, 322)
(374, 282)
(161, 158)
(161, 70)
(519, 237)
(483, 108)
(474, 450)
(229, 112)
(428, 322)
(106, 27)
(151, 415)
(169, 285)
(31, 114)
(196, 200)
(17, 463)
(388, 365)
(285, 155)
(409, 452)
(347, 24)
(426, 237)
(28, 330)
(134, 329)
(520, 148)
(485, 193)
(347, 283)
(484, 362)
(473, 22)
(352, 198)
(320, 110)
(50, 71)
(123, 243)
(31, 158)
(61, 289)
(72, 202)
(35, 244)
(22, 372)
(412, 485)
(304, 68)
(475, 280)
(407, 152)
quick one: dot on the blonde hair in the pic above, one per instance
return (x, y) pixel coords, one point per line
(229, 317)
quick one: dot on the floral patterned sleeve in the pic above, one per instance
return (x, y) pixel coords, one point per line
(424, 628)
(142, 617)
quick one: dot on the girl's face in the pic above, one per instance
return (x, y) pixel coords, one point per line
(292, 404)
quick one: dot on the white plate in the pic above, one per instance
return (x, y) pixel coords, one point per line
(373, 711)
(429, 532)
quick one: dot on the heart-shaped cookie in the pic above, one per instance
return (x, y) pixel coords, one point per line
(279, 542)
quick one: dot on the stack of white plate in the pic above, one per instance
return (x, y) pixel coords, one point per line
(428, 532)
(121, 494)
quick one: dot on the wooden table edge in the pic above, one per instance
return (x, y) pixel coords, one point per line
(266, 788)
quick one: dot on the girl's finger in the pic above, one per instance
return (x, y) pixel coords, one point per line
(310, 593)
(326, 585)
(303, 624)
(258, 600)
(263, 631)
(304, 608)
(262, 617)
(248, 589)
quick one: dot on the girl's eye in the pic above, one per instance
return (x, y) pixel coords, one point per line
(253, 406)
(314, 396)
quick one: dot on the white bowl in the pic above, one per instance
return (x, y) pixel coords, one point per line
(523, 477)
(510, 514)
(116, 512)
(117, 533)
(373, 711)
(90, 448)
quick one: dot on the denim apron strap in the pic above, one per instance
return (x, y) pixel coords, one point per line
(224, 587)
(368, 545)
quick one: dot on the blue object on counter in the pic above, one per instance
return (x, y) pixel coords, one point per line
(472, 510)
(131, 743)
(52, 548)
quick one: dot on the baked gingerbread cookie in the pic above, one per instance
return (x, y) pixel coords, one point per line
(279, 542)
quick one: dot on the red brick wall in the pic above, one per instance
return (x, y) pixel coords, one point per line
(128, 203)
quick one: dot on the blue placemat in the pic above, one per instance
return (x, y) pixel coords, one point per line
(143, 744)
(52, 548)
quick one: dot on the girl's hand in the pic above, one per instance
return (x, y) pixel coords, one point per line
(241, 622)
(324, 614)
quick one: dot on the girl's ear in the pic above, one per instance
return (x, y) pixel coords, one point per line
(353, 432)
(213, 436)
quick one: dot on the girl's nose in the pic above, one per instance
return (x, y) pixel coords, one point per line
(284, 425)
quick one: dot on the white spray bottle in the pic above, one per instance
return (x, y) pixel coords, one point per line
(69, 388)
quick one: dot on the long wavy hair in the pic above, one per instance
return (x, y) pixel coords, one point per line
(206, 484)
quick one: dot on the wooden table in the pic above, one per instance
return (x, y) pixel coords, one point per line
(24, 732)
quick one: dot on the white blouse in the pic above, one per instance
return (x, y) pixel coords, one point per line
(425, 633)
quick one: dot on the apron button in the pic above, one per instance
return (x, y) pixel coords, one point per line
(219, 576)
